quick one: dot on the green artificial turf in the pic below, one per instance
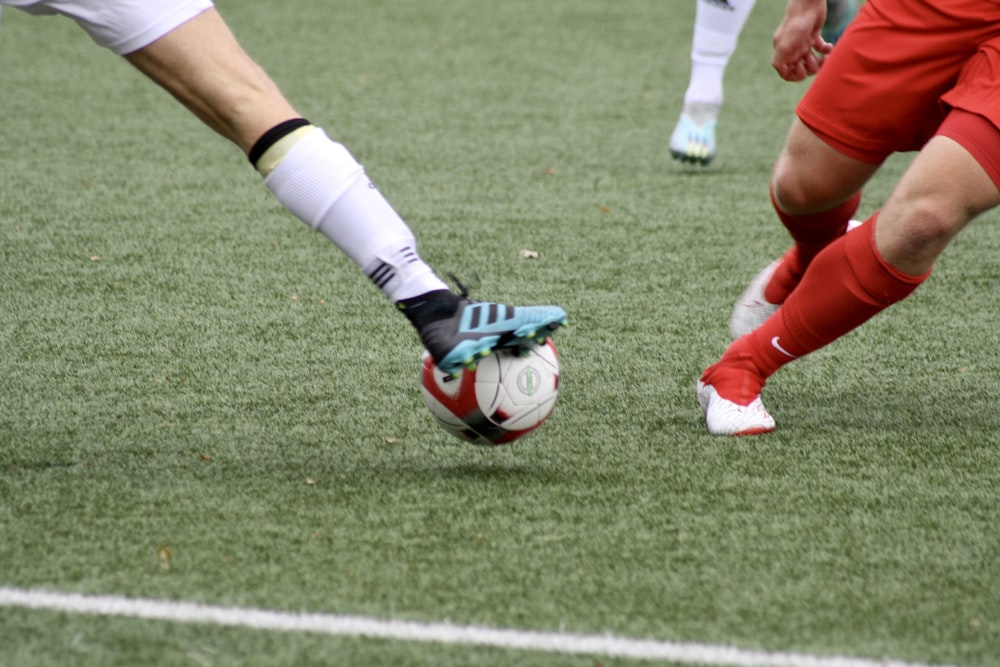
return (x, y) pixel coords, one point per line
(202, 400)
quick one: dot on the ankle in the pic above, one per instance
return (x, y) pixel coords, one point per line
(735, 377)
(429, 307)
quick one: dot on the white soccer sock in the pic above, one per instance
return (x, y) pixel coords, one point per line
(716, 31)
(322, 184)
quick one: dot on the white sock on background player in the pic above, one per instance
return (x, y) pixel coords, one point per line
(716, 32)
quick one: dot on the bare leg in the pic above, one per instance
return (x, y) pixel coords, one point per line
(811, 177)
(204, 67)
(941, 192)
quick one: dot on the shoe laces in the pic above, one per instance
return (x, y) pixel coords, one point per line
(463, 290)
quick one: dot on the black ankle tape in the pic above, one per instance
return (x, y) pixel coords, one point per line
(272, 136)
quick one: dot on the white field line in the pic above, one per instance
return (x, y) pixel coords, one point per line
(444, 633)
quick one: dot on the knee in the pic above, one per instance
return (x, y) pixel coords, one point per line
(788, 190)
(922, 222)
(912, 232)
(800, 188)
(811, 176)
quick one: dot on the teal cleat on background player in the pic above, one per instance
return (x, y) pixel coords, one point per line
(839, 14)
(693, 142)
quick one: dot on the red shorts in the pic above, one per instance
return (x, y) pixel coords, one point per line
(897, 71)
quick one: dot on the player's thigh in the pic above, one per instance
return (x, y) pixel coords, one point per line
(811, 176)
(202, 65)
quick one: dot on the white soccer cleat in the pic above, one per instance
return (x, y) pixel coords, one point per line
(723, 417)
(752, 309)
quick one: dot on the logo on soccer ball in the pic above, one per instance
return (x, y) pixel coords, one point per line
(528, 380)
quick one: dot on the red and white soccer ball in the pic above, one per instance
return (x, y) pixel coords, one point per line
(509, 394)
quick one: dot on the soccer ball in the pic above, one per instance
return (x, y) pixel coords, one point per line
(510, 394)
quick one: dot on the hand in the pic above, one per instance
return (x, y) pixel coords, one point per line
(799, 48)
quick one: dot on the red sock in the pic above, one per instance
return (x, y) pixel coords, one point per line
(847, 284)
(811, 233)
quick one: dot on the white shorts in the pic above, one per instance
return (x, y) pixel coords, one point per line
(123, 26)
